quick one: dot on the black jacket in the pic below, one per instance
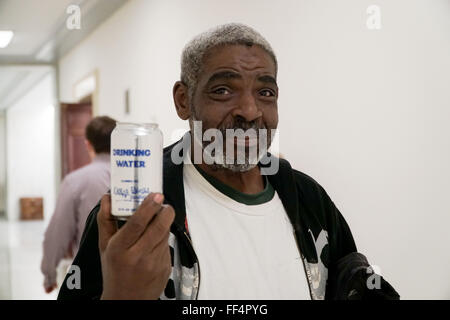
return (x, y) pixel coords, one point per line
(321, 233)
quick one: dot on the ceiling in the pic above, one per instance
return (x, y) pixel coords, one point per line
(33, 22)
(40, 38)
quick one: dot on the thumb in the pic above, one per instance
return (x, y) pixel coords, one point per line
(107, 226)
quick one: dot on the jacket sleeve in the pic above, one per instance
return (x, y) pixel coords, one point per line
(354, 279)
(84, 278)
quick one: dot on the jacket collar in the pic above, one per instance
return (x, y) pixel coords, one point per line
(173, 187)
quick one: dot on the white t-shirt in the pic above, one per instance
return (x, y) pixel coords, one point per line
(244, 251)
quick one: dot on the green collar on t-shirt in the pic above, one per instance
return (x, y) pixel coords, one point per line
(249, 199)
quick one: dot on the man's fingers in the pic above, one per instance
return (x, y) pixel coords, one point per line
(107, 225)
(157, 230)
(49, 289)
(137, 223)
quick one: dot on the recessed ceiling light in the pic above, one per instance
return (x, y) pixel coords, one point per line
(5, 38)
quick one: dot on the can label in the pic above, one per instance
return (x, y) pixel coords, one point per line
(136, 167)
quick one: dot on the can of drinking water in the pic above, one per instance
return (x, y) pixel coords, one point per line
(136, 166)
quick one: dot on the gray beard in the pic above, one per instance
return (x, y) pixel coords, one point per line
(227, 164)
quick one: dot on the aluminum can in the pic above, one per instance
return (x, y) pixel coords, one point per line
(136, 166)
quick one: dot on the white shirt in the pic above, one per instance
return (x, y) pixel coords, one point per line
(244, 251)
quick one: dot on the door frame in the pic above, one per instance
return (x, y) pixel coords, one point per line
(85, 87)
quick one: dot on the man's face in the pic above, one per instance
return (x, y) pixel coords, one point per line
(237, 89)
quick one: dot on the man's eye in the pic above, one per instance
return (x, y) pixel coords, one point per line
(267, 93)
(223, 91)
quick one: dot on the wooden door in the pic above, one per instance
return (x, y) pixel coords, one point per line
(74, 119)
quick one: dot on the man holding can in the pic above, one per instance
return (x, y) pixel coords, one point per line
(225, 226)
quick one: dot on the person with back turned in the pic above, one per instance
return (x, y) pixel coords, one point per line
(79, 192)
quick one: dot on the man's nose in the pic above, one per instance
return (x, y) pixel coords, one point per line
(247, 108)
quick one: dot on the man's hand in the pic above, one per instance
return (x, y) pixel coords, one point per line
(136, 262)
(50, 288)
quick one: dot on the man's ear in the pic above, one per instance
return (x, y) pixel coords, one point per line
(181, 100)
(88, 144)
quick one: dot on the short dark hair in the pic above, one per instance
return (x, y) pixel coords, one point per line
(98, 133)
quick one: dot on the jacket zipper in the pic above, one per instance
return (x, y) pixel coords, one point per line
(307, 274)
(198, 264)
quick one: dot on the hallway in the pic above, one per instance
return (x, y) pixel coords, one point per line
(20, 258)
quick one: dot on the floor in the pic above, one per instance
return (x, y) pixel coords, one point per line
(20, 258)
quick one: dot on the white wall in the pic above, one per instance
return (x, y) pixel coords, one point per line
(364, 112)
(30, 143)
(2, 163)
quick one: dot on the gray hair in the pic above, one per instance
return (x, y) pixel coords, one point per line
(226, 34)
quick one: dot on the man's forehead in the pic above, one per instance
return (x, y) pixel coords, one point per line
(238, 57)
